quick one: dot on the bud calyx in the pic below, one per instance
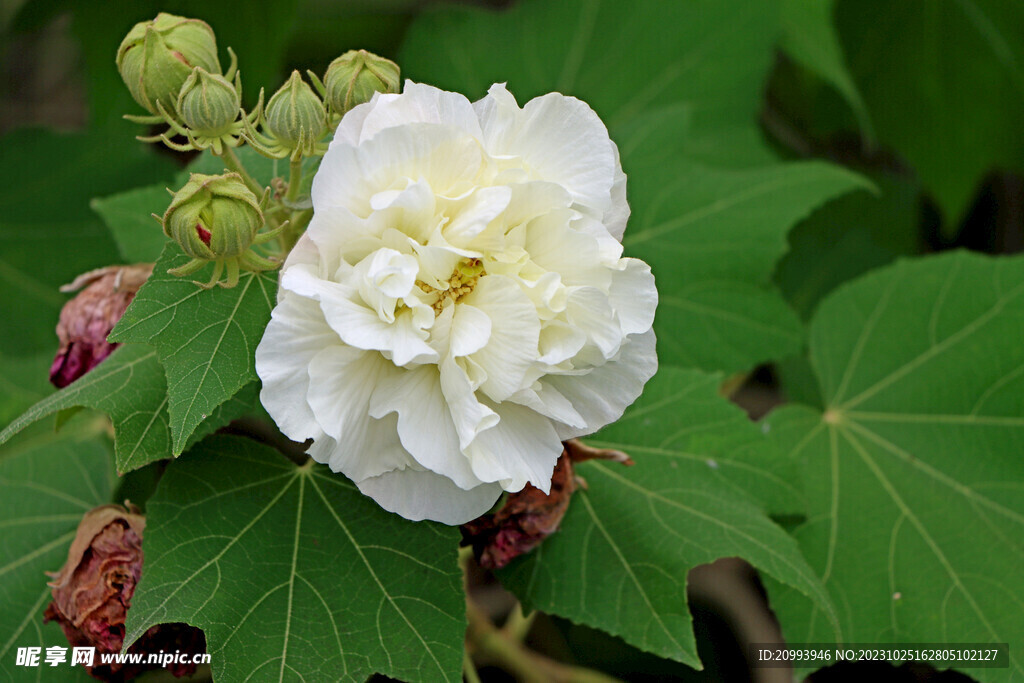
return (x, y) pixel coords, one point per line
(354, 77)
(217, 218)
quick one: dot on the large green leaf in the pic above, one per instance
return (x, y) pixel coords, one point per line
(809, 36)
(620, 560)
(23, 381)
(129, 386)
(293, 574)
(847, 238)
(913, 471)
(679, 86)
(944, 81)
(712, 237)
(129, 217)
(624, 59)
(205, 338)
(47, 482)
(48, 236)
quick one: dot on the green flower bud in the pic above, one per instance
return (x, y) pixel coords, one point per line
(208, 104)
(295, 117)
(156, 57)
(214, 217)
(352, 79)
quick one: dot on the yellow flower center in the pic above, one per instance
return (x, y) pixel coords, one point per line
(462, 281)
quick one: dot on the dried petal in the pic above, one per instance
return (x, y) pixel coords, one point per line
(93, 590)
(523, 522)
(87, 319)
(530, 516)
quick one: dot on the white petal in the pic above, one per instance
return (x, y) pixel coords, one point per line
(341, 380)
(338, 234)
(576, 256)
(590, 311)
(351, 176)
(358, 325)
(471, 330)
(420, 103)
(468, 414)
(515, 331)
(548, 401)
(521, 448)
(419, 495)
(634, 296)
(474, 214)
(349, 131)
(377, 437)
(424, 422)
(604, 394)
(559, 341)
(560, 138)
(617, 215)
(296, 333)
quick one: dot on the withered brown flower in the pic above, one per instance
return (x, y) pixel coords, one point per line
(529, 516)
(87, 319)
(93, 590)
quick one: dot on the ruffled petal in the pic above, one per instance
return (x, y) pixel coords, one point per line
(522, 448)
(421, 494)
(359, 325)
(351, 176)
(515, 331)
(425, 424)
(560, 138)
(420, 103)
(634, 296)
(617, 215)
(603, 394)
(297, 332)
(379, 437)
(589, 311)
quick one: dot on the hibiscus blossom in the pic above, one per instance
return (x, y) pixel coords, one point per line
(459, 304)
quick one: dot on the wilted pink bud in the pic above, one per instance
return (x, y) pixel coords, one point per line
(93, 591)
(529, 516)
(87, 319)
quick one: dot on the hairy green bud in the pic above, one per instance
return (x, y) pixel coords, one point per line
(295, 117)
(156, 58)
(352, 78)
(214, 217)
(208, 104)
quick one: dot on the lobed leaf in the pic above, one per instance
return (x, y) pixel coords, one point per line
(912, 471)
(809, 36)
(620, 560)
(948, 93)
(47, 482)
(293, 573)
(205, 338)
(129, 386)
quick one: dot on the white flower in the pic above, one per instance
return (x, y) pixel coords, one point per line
(459, 304)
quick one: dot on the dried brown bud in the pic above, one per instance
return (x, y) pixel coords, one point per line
(87, 319)
(93, 591)
(529, 516)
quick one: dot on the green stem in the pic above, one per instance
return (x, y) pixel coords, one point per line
(233, 163)
(294, 180)
(469, 669)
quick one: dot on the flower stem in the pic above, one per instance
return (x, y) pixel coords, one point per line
(294, 180)
(233, 163)
(469, 669)
(504, 647)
